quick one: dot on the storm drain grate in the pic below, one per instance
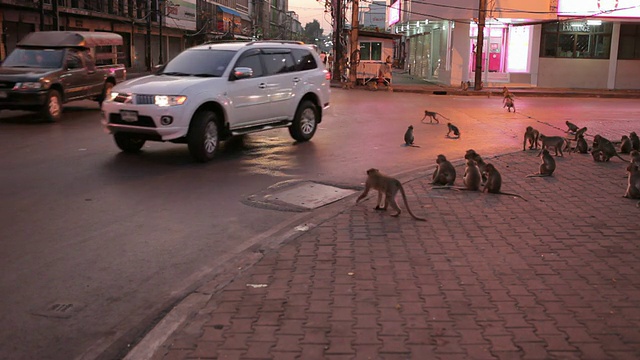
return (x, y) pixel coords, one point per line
(60, 309)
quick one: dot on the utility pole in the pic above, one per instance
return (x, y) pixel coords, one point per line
(337, 34)
(482, 10)
(161, 6)
(41, 9)
(148, 47)
(355, 45)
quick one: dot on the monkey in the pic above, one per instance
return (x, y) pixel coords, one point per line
(465, 85)
(572, 127)
(472, 154)
(598, 155)
(625, 145)
(494, 182)
(432, 116)
(581, 145)
(472, 176)
(506, 93)
(548, 165)
(532, 135)
(509, 104)
(635, 141)
(635, 157)
(388, 187)
(552, 141)
(445, 173)
(454, 129)
(408, 137)
(633, 185)
(607, 148)
(580, 132)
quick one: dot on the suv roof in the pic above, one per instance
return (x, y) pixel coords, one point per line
(240, 44)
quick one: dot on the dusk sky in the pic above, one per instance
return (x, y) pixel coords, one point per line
(308, 10)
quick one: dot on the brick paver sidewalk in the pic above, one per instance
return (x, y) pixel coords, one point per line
(486, 277)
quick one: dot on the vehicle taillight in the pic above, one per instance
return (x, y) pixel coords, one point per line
(327, 75)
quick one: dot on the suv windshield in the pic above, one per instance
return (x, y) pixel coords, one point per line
(200, 62)
(35, 58)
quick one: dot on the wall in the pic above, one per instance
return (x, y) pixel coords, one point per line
(573, 73)
(459, 54)
(628, 75)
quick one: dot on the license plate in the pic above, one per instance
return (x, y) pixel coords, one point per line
(3, 95)
(129, 116)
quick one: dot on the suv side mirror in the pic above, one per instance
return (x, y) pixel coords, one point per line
(242, 73)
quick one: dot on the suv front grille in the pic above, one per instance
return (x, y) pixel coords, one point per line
(145, 99)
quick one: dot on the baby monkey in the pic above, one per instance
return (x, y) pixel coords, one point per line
(532, 135)
(432, 115)
(408, 137)
(389, 187)
(548, 165)
(453, 129)
(509, 103)
(494, 182)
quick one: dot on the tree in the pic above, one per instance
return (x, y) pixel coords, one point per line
(312, 31)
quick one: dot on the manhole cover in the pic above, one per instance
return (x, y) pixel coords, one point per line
(60, 309)
(311, 195)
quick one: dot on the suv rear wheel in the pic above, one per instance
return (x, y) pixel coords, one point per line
(203, 136)
(305, 121)
(128, 143)
(52, 110)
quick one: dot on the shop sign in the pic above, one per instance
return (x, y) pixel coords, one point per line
(602, 8)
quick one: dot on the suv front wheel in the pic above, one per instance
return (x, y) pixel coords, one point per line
(203, 136)
(305, 121)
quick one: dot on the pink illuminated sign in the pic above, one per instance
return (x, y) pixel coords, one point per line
(394, 13)
(602, 8)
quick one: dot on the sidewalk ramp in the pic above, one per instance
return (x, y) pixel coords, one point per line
(298, 196)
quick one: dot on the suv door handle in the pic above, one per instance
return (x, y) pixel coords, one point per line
(296, 79)
(262, 86)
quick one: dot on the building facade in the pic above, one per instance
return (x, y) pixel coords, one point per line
(550, 43)
(154, 31)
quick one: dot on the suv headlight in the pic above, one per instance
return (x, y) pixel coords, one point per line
(27, 86)
(171, 100)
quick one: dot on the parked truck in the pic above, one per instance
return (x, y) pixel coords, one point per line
(50, 68)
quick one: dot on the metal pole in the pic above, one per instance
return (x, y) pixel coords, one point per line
(355, 45)
(148, 40)
(161, 12)
(482, 8)
(337, 31)
(41, 8)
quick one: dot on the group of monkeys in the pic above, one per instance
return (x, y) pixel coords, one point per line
(478, 176)
(409, 139)
(602, 150)
(482, 176)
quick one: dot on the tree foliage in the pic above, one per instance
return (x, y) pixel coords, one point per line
(312, 31)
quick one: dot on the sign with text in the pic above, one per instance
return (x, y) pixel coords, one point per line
(602, 8)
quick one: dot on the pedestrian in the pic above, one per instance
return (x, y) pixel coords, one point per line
(323, 58)
(330, 61)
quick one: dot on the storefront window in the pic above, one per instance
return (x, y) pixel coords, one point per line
(629, 42)
(576, 39)
(371, 51)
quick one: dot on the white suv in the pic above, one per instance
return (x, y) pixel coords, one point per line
(210, 92)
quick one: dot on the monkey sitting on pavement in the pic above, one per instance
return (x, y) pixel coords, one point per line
(580, 132)
(572, 127)
(494, 182)
(454, 129)
(581, 146)
(532, 135)
(635, 141)
(389, 187)
(633, 185)
(472, 176)
(548, 165)
(472, 154)
(408, 137)
(625, 145)
(432, 117)
(445, 173)
(556, 142)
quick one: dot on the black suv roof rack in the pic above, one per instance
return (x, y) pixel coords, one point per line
(276, 42)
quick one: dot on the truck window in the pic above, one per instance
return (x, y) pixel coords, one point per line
(73, 60)
(88, 60)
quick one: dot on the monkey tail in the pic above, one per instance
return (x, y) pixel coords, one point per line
(443, 116)
(511, 194)
(538, 175)
(621, 158)
(406, 204)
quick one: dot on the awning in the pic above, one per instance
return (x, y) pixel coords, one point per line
(234, 12)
